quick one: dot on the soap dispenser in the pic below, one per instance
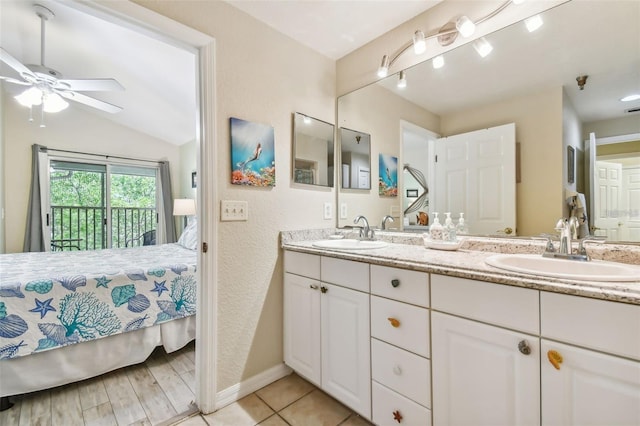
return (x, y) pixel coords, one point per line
(449, 232)
(436, 230)
(461, 227)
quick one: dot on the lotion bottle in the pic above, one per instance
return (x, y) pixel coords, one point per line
(461, 228)
(449, 233)
(436, 230)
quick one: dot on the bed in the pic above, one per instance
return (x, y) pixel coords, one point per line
(68, 316)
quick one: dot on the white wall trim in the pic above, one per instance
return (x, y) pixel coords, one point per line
(618, 139)
(244, 388)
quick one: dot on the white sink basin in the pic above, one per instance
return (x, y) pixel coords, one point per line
(347, 244)
(594, 270)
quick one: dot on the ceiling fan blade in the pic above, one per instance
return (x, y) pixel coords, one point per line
(15, 64)
(92, 102)
(14, 81)
(89, 85)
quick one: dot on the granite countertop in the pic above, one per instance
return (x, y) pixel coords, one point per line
(407, 251)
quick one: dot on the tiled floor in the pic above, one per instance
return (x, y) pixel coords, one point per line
(288, 401)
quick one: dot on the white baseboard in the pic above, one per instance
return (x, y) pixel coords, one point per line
(244, 388)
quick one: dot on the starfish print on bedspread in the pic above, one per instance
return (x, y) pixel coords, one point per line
(43, 307)
(102, 282)
(159, 287)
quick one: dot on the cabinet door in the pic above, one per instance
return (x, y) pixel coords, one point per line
(589, 388)
(480, 376)
(302, 326)
(346, 365)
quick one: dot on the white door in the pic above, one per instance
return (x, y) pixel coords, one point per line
(346, 365)
(631, 179)
(302, 326)
(475, 174)
(608, 190)
(480, 376)
(589, 388)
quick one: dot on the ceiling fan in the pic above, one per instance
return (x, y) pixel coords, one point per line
(48, 87)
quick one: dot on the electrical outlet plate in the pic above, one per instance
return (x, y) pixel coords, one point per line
(234, 210)
(327, 211)
(343, 211)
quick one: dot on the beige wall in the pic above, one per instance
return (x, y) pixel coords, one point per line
(377, 111)
(539, 131)
(72, 129)
(261, 76)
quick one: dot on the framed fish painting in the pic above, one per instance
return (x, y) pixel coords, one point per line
(252, 153)
(388, 176)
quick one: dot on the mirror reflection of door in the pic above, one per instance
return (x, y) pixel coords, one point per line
(355, 156)
(313, 161)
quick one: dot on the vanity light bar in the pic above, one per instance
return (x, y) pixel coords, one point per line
(445, 35)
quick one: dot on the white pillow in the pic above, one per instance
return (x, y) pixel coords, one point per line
(189, 237)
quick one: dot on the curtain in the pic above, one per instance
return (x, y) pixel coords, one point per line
(167, 202)
(34, 236)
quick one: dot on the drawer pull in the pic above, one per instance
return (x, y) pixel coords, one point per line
(555, 359)
(397, 416)
(397, 370)
(524, 347)
(324, 289)
(394, 322)
(313, 286)
(395, 283)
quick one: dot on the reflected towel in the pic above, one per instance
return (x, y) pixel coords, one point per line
(578, 205)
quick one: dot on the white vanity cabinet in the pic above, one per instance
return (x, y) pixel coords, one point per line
(590, 361)
(326, 326)
(400, 347)
(485, 353)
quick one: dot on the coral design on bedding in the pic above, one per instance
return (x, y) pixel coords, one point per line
(51, 300)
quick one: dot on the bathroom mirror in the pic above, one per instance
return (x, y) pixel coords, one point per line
(529, 79)
(312, 151)
(355, 159)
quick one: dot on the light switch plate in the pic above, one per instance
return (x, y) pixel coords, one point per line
(234, 210)
(326, 212)
(343, 211)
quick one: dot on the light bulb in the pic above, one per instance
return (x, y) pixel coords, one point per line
(438, 62)
(465, 26)
(630, 98)
(384, 67)
(54, 103)
(419, 44)
(482, 46)
(402, 80)
(533, 23)
(31, 96)
(517, 1)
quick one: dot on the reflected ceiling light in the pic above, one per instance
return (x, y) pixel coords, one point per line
(465, 26)
(438, 62)
(419, 43)
(402, 80)
(384, 67)
(517, 1)
(631, 98)
(482, 46)
(533, 23)
(306, 119)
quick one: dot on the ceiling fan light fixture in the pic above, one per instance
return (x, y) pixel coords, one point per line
(465, 26)
(482, 46)
(54, 103)
(533, 23)
(30, 97)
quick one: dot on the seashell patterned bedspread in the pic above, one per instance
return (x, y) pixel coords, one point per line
(50, 300)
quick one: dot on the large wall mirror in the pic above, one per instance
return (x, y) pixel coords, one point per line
(530, 80)
(355, 159)
(313, 159)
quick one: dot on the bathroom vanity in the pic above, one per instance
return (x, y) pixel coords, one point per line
(413, 336)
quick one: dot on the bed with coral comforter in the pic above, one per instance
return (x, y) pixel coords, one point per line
(51, 302)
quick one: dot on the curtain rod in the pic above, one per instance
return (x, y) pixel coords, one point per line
(103, 155)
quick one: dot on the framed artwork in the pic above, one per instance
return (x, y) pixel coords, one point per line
(194, 181)
(412, 193)
(388, 175)
(571, 164)
(252, 153)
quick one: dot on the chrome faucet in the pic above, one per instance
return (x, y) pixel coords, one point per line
(366, 233)
(385, 219)
(568, 229)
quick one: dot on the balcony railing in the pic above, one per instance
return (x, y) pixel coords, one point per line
(84, 228)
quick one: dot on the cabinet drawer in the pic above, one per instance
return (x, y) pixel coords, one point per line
(402, 371)
(390, 408)
(511, 307)
(411, 331)
(598, 324)
(400, 284)
(306, 265)
(345, 273)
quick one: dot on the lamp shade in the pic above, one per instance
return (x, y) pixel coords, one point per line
(184, 207)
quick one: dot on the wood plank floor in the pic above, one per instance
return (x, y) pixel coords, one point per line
(156, 392)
